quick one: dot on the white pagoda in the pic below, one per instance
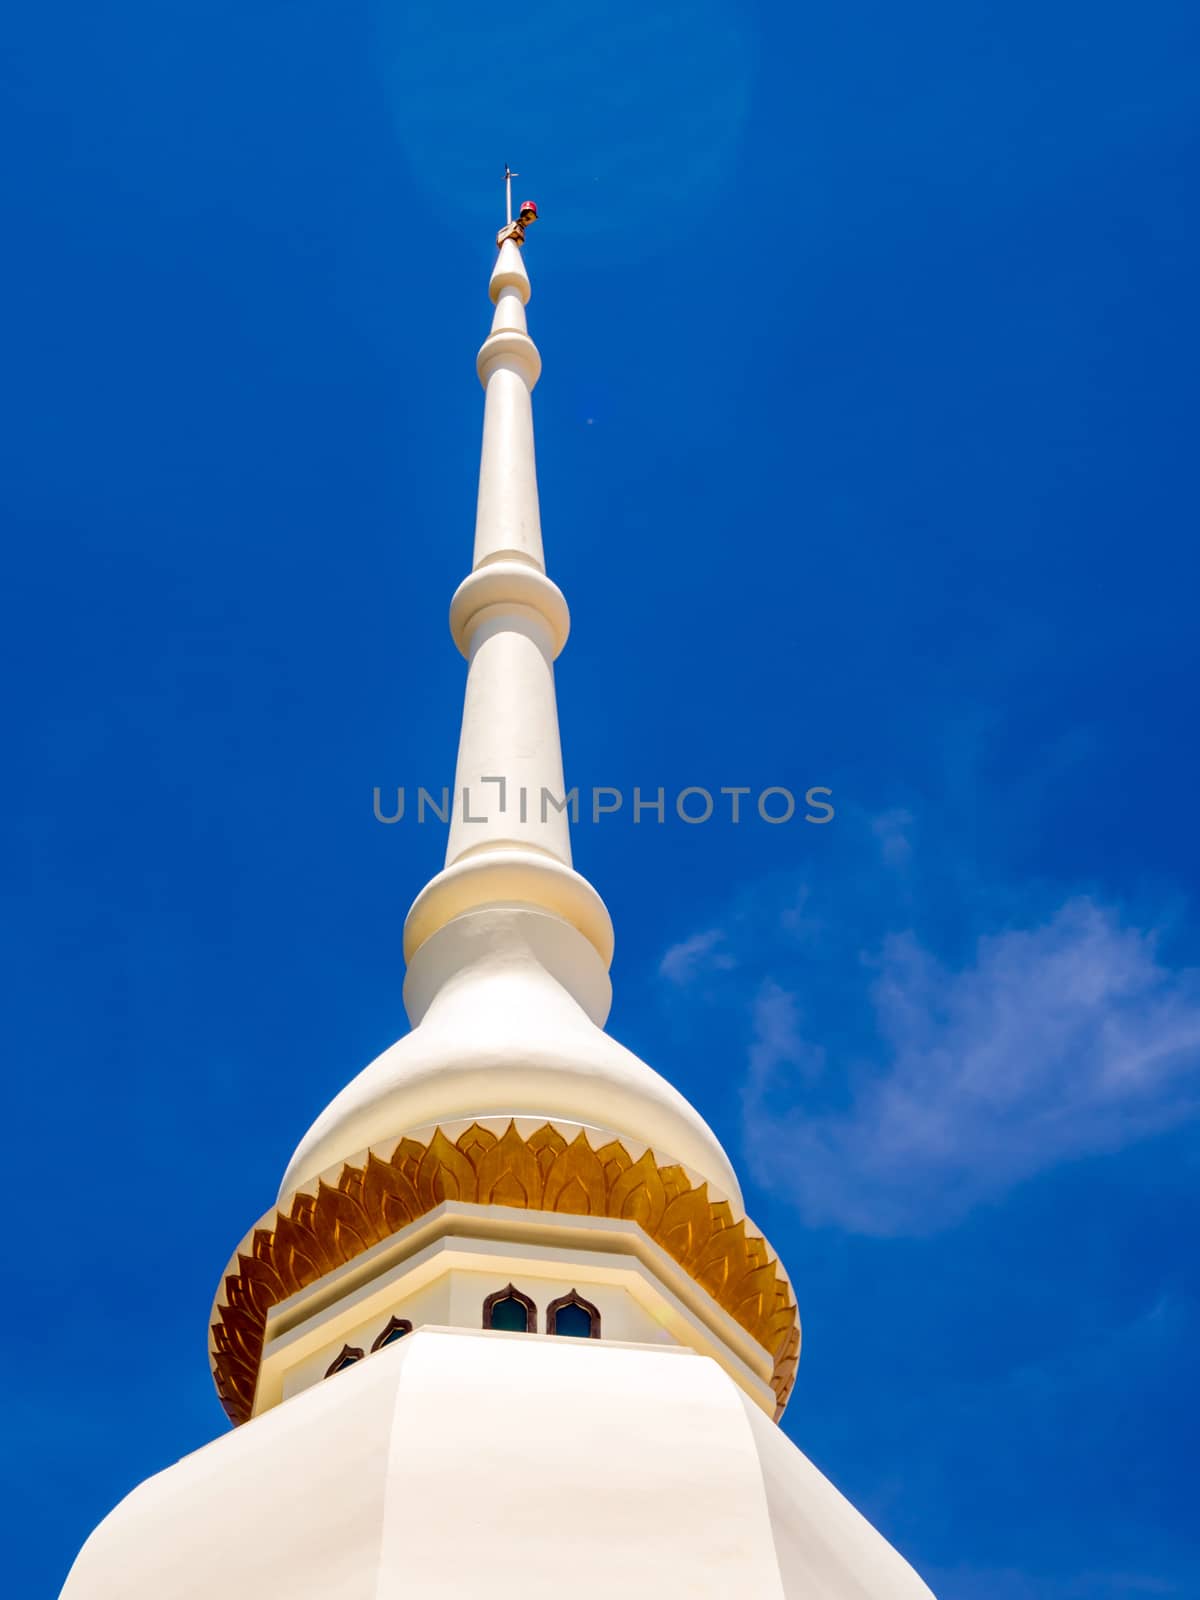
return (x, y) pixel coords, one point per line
(507, 1330)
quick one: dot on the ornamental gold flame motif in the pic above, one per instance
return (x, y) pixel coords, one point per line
(543, 1172)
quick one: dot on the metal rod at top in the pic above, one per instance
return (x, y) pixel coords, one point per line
(509, 175)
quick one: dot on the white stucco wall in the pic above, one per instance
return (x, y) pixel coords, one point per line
(458, 1464)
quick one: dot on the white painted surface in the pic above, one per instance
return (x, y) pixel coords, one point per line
(455, 1300)
(503, 1030)
(461, 1465)
(507, 516)
(509, 731)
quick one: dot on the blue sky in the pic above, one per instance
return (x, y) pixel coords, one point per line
(867, 456)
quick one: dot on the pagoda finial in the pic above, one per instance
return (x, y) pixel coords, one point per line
(526, 214)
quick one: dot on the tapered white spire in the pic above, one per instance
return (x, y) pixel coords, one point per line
(508, 947)
(507, 521)
(509, 834)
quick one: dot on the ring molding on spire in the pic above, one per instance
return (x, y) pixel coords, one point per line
(508, 584)
(507, 876)
(508, 347)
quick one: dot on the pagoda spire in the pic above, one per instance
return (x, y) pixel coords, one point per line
(509, 837)
(508, 948)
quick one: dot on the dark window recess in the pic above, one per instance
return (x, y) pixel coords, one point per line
(575, 1321)
(573, 1317)
(511, 1316)
(347, 1356)
(396, 1329)
(510, 1311)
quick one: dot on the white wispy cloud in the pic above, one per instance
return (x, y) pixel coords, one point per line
(691, 958)
(778, 1041)
(1057, 1040)
(892, 831)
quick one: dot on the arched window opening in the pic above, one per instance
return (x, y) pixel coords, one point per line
(510, 1311)
(573, 1317)
(396, 1329)
(348, 1355)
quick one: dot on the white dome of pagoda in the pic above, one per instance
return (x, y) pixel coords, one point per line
(505, 1032)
